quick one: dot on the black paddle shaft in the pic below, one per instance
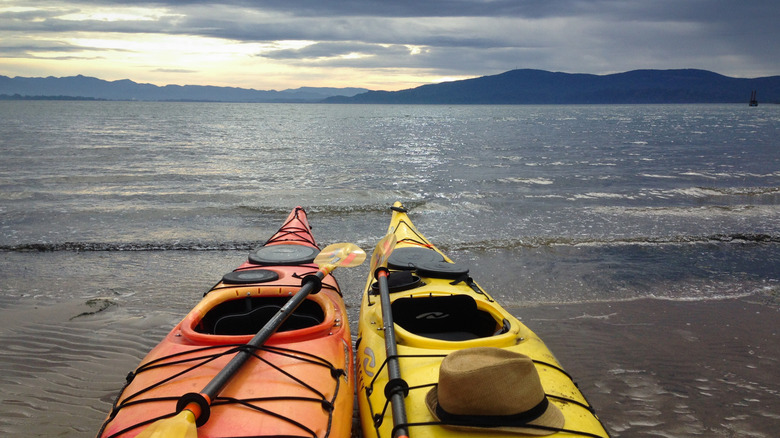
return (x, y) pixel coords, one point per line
(396, 388)
(311, 285)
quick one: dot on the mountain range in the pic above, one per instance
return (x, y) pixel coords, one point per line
(523, 86)
(543, 87)
(83, 87)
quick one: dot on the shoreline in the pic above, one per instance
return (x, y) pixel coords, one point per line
(648, 366)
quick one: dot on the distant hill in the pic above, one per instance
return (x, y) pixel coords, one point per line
(513, 87)
(544, 87)
(87, 88)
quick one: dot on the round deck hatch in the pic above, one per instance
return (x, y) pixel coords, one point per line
(250, 276)
(409, 258)
(442, 270)
(284, 255)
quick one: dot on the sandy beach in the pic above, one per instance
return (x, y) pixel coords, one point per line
(672, 368)
(650, 367)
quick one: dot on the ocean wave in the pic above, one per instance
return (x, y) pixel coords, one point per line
(711, 192)
(532, 181)
(350, 203)
(657, 176)
(756, 194)
(602, 195)
(743, 191)
(131, 246)
(765, 211)
(540, 242)
(481, 245)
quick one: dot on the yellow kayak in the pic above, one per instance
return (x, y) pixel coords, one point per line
(459, 364)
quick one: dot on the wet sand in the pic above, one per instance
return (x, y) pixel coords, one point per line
(650, 367)
(672, 368)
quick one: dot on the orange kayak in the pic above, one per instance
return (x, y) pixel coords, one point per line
(298, 384)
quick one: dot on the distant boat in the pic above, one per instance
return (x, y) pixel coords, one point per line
(753, 99)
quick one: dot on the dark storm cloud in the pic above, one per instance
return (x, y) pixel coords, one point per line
(464, 36)
(445, 60)
(370, 8)
(21, 48)
(660, 10)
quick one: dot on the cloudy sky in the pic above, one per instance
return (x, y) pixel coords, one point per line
(384, 44)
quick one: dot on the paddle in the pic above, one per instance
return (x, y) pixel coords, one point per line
(396, 387)
(193, 408)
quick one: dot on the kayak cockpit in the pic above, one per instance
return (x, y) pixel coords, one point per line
(446, 318)
(231, 315)
(430, 314)
(247, 316)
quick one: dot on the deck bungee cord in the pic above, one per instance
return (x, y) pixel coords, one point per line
(227, 350)
(300, 233)
(379, 415)
(424, 243)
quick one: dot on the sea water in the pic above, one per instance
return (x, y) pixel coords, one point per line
(138, 207)
(628, 194)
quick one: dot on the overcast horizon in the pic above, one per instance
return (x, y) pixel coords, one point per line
(282, 44)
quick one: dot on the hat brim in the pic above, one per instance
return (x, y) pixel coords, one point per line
(550, 422)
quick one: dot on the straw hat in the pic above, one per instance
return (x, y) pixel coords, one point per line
(485, 387)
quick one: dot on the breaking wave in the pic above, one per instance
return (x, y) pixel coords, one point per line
(485, 245)
(539, 242)
(131, 246)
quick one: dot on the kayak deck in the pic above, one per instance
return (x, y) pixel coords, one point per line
(438, 309)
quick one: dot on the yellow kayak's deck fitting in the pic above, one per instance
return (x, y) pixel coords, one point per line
(437, 309)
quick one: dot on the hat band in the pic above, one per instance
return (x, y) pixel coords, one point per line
(515, 420)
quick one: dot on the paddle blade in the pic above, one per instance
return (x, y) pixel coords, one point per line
(180, 426)
(344, 255)
(382, 252)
